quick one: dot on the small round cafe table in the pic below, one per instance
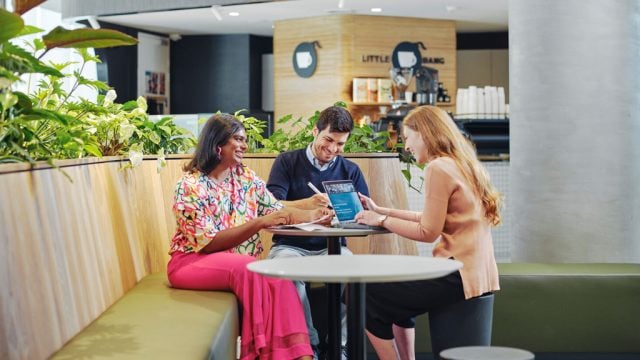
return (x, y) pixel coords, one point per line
(356, 270)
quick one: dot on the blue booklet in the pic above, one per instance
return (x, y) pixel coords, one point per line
(344, 199)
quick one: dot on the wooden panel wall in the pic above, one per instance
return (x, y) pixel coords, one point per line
(70, 249)
(344, 40)
(302, 96)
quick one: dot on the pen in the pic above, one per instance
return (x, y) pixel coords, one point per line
(315, 190)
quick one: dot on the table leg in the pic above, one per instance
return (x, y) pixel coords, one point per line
(334, 331)
(356, 302)
(333, 246)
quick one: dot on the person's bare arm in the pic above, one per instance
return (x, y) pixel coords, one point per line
(400, 214)
(226, 239)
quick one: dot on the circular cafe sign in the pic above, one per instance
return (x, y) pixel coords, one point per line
(407, 55)
(305, 59)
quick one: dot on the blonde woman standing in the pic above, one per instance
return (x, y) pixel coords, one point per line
(460, 207)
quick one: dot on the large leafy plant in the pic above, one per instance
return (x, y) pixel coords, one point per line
(38, 126)
(49, 123)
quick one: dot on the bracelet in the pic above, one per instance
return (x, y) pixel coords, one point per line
(381, 219)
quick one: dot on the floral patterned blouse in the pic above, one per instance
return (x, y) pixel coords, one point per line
(203, 207)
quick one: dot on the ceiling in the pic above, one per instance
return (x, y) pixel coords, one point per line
(258, 18)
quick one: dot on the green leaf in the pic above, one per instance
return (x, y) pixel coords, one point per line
(93, 150)
(30, 30)
(62, 66)
(96, 84)
(285, 119)
(129, 105)
(5, 159)
(87, 57)
(47, 70)
(22, 152)
(4, 73)
(38, 44)
(165, 129)
(154, 138)
(164, 121)
(8, 99)
(23, 101)
(407, 174)
(83, 38)
(52, 115)
(12, 24)
(19, 60)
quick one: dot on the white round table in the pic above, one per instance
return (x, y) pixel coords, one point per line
(486, 353)
(357, 270)
(333, 235)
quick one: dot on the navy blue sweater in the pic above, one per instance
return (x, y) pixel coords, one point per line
(288, 181)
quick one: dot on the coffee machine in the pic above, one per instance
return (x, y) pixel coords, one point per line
(426, 85)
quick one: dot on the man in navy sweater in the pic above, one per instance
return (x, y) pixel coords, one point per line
(318, 162)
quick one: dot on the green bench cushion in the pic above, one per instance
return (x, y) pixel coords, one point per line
(154, 321)
(566, 308)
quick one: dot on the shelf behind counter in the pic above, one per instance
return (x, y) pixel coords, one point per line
(490, 136)
(374, 110)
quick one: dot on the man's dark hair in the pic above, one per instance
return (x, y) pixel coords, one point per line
(337, 118)
(216, 132)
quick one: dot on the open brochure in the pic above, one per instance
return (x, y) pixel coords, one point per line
(307, 226)
(304, 226)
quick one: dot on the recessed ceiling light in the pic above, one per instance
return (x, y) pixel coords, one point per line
(451, 8)
(234, 13)
(376, 10)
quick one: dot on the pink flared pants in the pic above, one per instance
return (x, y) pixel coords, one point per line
(273, 325)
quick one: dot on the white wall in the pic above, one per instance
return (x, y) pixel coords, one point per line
(153, 58)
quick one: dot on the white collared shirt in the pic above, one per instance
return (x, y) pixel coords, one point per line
(316, 163)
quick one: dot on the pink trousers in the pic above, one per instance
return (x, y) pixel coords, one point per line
(273, 325)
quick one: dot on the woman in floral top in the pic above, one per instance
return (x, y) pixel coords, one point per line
(220, 205)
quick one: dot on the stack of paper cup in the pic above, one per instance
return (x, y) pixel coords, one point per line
(486, 102)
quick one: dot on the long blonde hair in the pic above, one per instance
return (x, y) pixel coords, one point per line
(443, 138)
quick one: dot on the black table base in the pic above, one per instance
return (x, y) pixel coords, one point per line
(355, 315)
(334, 331)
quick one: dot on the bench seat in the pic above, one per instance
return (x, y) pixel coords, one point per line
(154, 321)
(567, 311)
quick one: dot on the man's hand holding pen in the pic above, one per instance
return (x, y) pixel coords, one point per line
(321, 200)
(320, 197)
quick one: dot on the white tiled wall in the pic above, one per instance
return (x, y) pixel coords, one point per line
(499, 172)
